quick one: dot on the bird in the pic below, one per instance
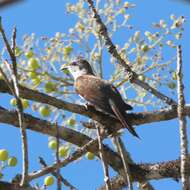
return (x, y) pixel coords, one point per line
(98, 92)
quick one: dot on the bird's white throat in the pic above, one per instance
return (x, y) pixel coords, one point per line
(76, 72)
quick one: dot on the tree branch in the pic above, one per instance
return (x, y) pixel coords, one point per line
(58, 176)
(182, 123)
(15, 89)
(125, 162)
(104, 119)
(118, 183)
(102, 157)
(5, 3)
(66, 134)
(11, 186)
(139, 172)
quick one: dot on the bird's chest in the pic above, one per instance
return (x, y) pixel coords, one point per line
(94, 90)
(90, 89)
(87, 87)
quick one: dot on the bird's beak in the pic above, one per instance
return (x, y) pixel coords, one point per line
(63, 67)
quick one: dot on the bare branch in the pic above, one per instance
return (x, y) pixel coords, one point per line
(15, 88)
(125, 162)
(5, 3)
(11, 186)
(140, 172)
(143, 185)
(104, 119)
(57, 159)
(6, 80)
(102, 158)
(182, 123)
(66, 134)
(49, 169)
(118, 183)
(63, 180)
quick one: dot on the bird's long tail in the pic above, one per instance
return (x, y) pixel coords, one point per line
(122, 119)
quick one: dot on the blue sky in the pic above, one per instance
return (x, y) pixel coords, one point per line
(159, 141)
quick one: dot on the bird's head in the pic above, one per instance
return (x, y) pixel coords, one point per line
(78, 68)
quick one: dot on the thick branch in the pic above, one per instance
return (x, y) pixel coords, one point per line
(73, 136)
(135, 119)
(182, 122)
(66, 134)
(146, 172)
(117, 183)
(141, 172)
(4, 3)
(10, 186)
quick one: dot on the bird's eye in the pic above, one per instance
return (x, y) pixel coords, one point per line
(74, 63)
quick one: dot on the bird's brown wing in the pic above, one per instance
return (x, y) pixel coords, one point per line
(122, 118)
(121, 102)
(91, 89)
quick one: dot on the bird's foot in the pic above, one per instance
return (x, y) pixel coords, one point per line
(88, 106)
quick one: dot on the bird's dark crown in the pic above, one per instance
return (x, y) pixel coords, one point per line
(82, 64)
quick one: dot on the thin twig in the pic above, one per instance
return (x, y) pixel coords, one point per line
(182, 122)
(133, 77)
(14, 41)
(143, 185)
(63, 180)
(8, 83)
(127, 173)
(57, 158)
(77, 154)
(102, 158)
(15, 88)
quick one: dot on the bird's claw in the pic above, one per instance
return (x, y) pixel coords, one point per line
(88, 106)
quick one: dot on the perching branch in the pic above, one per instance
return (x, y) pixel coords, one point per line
(182, 123)
(104, 119)
(137, 119)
